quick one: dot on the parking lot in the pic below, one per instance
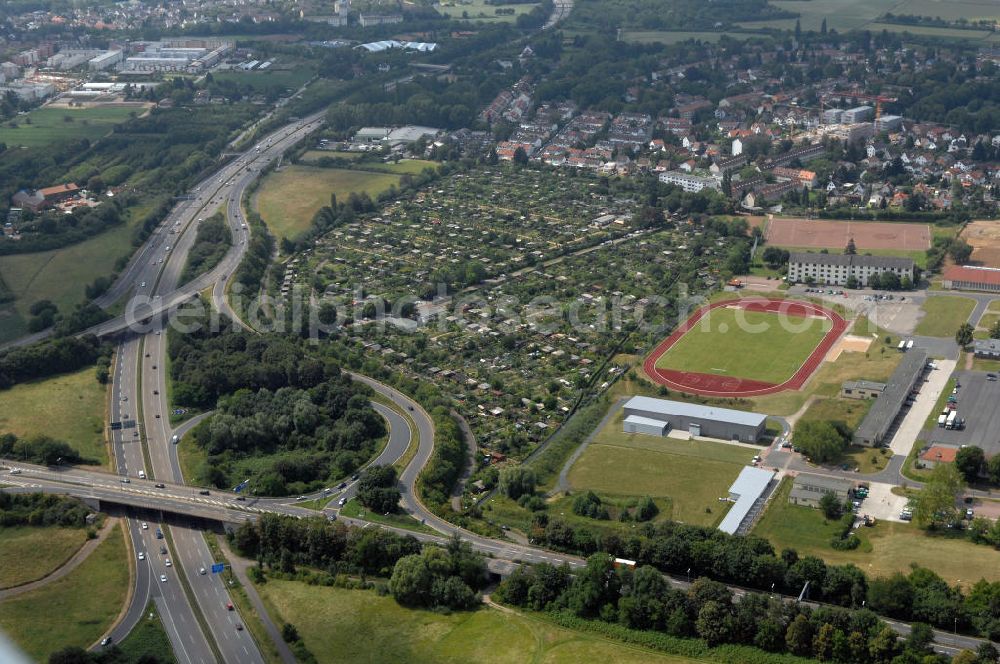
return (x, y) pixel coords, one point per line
(977, 405)
(882, 503)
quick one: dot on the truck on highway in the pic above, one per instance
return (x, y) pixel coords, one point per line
(950, 422)
(942, 419)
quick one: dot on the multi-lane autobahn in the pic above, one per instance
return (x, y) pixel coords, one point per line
(144, 443)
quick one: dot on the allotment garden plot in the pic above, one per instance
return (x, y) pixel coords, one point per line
(746, 347)
(539, 283)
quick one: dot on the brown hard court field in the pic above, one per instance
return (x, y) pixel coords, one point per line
(984, 236)
(828, 234)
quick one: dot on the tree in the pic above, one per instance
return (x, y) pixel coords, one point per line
(993, 468)
(516, 481)
(963, 337)
(820, 440)
(520, 156)
(377, 490)
(851, 249)
(936, 501)
(831, 506)
(289, 633)
(883, 647)
(822, 27)
(852, 282)
(995, 330)
(714, 623)
(823, 642)
(799, 636)
(774, 257)
(970, 460)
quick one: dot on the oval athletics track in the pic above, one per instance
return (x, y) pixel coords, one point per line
(710, 385)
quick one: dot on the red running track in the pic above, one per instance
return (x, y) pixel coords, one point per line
(710, 385)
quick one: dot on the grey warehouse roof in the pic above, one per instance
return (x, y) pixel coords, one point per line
(748, 486)
(681, 409)
(863, 385)
(987, 345)
(856, 259)
(886, 407)
(830, 483)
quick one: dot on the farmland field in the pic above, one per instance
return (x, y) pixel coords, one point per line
(74, 610)
(268, 80)
(50, 125)
(839, 14)
(950, 10)
(722, 343)
(477, 10)
(73, 411)
(692, 474)
(832, 234)
(395, 634)
(288, 199)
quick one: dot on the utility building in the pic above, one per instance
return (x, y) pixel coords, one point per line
(698, 420)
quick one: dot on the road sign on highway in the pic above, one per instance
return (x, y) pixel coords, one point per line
(128, 424)
(115, 426)
(242, 485)
(218, 567)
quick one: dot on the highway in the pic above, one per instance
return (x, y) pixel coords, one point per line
(153, 276)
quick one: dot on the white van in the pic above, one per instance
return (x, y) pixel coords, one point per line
(142, 474)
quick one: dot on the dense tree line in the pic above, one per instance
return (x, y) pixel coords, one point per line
(48, 358)
(41, 509)
(445, 465)
(40, 449)
(112, 655)
(642, 599)
(212, 241)
(282, 542)
(751, 561)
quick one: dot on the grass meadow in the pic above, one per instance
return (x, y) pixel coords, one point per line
(943, 314)
(692, 475)
(45, 126)
(719, 344)
(67, 407)
(886, 548)
(30, 553)
(76, 609)
(359, 626)
(288, 199)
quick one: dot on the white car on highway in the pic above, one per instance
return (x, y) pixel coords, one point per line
(163, 578)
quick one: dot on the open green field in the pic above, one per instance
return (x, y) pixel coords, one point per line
(53, 125)
(943, 315)
(886, 548)
(478, 10)
(692, 474)
(359, 626)
(30, 553)
(745, 344)
(950, 10)
(849, 411)
(76, 609)
(288, 199)
(268, 79)
(68, 407)
(839, 14)
(148, 638)
(60, 275)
